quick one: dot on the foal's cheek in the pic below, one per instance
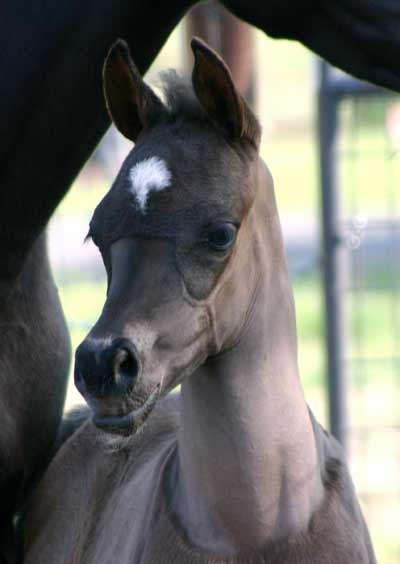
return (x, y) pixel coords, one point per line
(199, 274)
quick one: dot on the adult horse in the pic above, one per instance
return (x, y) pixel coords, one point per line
(235, 469)
(52, 117)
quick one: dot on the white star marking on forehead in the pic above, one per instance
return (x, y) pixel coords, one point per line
(149, 175)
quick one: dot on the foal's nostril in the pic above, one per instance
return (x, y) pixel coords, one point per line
(106, 369)
(125, 367)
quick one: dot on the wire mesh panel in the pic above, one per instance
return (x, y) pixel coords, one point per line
(369, 161)
(365, 163)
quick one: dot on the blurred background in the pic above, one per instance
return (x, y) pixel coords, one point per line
(332, 144)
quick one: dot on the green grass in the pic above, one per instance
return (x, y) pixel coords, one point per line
(82, 302)
(292, 161)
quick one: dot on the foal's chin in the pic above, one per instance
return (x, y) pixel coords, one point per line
(126, 417)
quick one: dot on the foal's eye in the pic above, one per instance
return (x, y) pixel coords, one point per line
(221, 238)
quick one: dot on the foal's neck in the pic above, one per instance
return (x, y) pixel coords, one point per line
(248, 465)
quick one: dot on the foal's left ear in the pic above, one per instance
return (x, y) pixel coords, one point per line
(131, 103)
(214, 87)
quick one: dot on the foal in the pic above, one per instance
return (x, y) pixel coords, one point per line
(235, 468)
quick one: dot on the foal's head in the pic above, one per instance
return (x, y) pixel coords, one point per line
(177, 235)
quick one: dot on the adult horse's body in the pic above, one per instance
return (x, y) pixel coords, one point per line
(235, 469)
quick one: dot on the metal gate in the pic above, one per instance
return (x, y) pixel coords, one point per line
(359, 141)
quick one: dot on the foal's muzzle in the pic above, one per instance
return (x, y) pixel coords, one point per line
(104, 369)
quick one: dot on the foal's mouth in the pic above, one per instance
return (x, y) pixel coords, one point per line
(128, 423)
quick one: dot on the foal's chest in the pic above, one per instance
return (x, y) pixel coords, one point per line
(145, 530)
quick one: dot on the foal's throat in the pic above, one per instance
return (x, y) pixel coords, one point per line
(248, 467)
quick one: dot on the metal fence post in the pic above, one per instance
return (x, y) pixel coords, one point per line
(332, 246)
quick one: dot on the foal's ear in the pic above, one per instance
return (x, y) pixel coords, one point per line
(214, 87)
(131, 103)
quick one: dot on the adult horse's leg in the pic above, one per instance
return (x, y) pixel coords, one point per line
(34, 361)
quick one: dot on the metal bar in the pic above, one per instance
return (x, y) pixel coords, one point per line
(332, 244)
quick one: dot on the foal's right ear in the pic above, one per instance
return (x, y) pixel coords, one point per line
(131, 103)
(217, 94)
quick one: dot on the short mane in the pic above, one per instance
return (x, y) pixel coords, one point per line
(179, 97)
(182, 103)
